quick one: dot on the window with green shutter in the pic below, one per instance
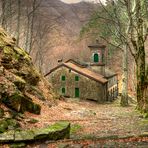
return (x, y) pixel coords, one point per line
(96, 57)
(63, 78)
(63, 90)
(76, 78)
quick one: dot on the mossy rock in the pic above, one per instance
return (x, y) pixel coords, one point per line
(60, 130)
(3, 126)
(22, 53)
(14, 101)
(28, 105)
(7, 62)
(24, 135)
(7, 136)
(1, 112)
(8, 50)
(12, 123)
(21, 103)
(19, 83)
(29, 74)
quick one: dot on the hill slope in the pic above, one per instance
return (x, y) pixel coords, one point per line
(22, 87)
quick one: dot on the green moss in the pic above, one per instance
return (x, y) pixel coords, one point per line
(144, 122)
(22, 53)
(24, 135)
(12, 123)
(2, 42)
(8, 50)
(58, 125)
(145, 115)
(59, 130)
(75, 128)
(19, 82)
(13, 101)
(3, 126)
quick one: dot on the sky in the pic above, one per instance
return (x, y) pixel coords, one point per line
(76, 1)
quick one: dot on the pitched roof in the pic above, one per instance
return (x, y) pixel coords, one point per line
(81, 70)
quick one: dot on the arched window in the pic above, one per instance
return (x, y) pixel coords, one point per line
(96, 57)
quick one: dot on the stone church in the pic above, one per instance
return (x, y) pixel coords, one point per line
(93, 80)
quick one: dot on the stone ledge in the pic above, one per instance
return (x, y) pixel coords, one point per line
(59, 130)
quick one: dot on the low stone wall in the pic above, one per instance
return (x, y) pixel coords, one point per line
(57, 131)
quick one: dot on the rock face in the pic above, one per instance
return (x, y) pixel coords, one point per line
(19, 80)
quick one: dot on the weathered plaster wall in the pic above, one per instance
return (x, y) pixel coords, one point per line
(89, 89)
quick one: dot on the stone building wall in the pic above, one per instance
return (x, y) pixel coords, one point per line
(88, 88)
(112, 88)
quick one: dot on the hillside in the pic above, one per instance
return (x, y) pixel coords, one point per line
(22, 88)
(56, 30)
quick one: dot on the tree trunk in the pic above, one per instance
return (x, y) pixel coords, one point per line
(9, 25)
(124, 96)
(3, 15)
(32, 27)
(18, 22)
(141, 81)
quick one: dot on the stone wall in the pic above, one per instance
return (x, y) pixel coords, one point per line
(89, 89)
(112, 88)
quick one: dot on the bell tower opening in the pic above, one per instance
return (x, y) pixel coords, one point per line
(96, 57)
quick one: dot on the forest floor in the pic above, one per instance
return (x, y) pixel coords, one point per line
(90, 120)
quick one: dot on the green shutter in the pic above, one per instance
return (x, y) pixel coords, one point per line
(96, 57)
(63, 90)
(63, 78)
(76, 78)
(77, 93)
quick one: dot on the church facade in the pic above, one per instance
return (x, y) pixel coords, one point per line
(91, 80)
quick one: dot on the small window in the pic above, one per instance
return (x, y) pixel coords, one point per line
(63, 78)
(63, 90)
(76, 78)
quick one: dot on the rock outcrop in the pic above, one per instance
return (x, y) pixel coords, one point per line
(21, 85)
(59, 130)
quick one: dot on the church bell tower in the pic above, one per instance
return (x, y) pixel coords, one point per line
(98, 57)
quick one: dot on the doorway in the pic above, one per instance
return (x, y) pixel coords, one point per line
(77, 93)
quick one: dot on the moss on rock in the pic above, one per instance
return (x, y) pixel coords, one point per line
(57, 131)
(21, 103)
(3, 126)
(13, 101)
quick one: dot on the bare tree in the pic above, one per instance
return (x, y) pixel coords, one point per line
(18, 21)
(30, 24)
